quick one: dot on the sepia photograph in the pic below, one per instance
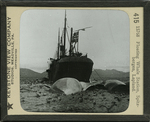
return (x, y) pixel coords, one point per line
(74, 60)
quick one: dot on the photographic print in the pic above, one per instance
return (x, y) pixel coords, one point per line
(68, 60)
(74, 60)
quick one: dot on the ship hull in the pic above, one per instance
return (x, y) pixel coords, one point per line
(79, 68)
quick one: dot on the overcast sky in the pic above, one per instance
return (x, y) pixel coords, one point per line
(106, 43)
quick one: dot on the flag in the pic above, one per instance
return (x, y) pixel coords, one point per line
(75, 37)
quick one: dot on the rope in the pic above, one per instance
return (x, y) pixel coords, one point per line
(109, 25)
(98, 75)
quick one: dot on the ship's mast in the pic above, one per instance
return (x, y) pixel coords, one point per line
(64, 35)
(70, 50)
(58, 43)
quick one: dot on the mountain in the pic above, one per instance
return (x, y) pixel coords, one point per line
(99, 74)
(27, 73)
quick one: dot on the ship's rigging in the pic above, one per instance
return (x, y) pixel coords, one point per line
(73, 41)
(70, 62)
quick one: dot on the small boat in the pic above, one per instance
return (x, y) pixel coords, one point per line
(72, 64)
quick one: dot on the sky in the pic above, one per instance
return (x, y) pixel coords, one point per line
(107, 42)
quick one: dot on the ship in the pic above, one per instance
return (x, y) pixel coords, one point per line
(70, 62)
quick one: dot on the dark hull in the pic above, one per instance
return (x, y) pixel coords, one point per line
(74, 67)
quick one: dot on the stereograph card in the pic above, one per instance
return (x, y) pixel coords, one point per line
(74, 61)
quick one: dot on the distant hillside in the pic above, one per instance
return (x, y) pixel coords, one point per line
(27, 73)
(99, 74)
(44, 74)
